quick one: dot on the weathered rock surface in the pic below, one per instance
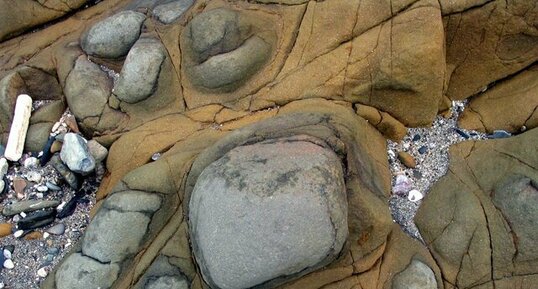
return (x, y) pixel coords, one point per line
(416, 276)
(510, 105)
(170, 12)
(477, 219)
(282, 201)
(140, 71)
(79, 271)
(112, 37)
(17, 17)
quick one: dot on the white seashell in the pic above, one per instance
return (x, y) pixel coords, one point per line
(415, 196)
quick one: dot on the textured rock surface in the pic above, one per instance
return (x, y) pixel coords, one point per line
(79, 271)
(113, 37)
(477, 219)
(170, 12)
(416, 276)
(276, 208)
(140, 71)
(510, 105)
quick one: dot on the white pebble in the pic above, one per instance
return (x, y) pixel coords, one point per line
(42, 189)
(8, 264)
(31, 162)
(2, 285)
(60, 206)
(7, 254)
(23, 214)
(55, 126)
(18, 233)
(33, 177)
(415, 196)
(46, 235)
(42, 273)
(39, 195)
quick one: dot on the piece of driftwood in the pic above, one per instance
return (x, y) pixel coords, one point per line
(19, 127)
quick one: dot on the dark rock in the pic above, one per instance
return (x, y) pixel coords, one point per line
(417, 174)
(37, 224)
(422, 150)
(461, 133)
(2, 149)
(69, 208)
(113, 36)
(34, 219)
(45, 158)
(70, 177)
(416, 137)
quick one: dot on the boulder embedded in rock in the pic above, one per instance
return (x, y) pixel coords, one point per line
(275, 208)
(416, 276)
(170, 12)
(76, 155)
(93, 275)
(140, 71)
(112, 37)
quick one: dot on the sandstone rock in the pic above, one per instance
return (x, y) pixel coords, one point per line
(97, 151)
(112, 37)
(416, 276)
(281, 201)
(76, 155)
(170, 12)
(140, 72)
(95, 274)
(510, 105)
(407, 159)
(5, 229)
(472, 217)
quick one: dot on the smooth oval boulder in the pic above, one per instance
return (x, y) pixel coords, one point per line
(94, 274)
(112, 37)
(272, 209)
(417, 275)
(140, 71)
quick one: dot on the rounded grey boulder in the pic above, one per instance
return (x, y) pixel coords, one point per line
(275, 209)
(140, 71)
(417, 275)
(112, 37)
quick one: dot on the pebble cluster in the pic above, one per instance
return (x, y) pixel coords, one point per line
(420, 159)
(45, 204)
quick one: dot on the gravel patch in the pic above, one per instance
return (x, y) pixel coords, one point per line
(429, 147)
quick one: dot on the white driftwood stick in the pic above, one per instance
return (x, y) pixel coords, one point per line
(19, 127)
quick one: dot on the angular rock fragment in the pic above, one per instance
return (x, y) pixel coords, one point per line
(277, 208)
(170, 12)
(64, 171)
(76, 155)
(112, 37)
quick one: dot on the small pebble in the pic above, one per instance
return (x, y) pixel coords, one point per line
(156, 156)
(461, 133)
(52, 186)
(10, 248)
(416, 137)
(415, 196)
(7, 254)
(39, 195)
(8, 264)
(422, 150)
(42, 189)
(23, 214)
(46, 235)
(57, 229)
(53, 251)
(5, 229)
(402, 185)
(42, 273)
(33, 177)
(407, 159)
(31, 162)
(3, 167)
